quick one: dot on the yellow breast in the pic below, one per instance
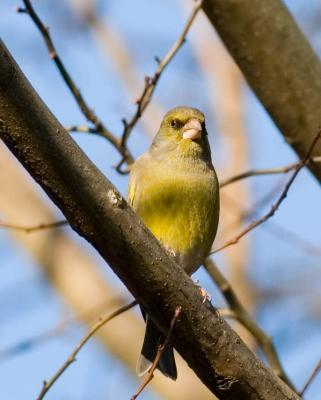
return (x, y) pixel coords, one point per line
(181, 209)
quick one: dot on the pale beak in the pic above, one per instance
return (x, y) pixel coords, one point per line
(192, 129)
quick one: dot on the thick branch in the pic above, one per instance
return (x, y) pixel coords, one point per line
(95, 209)
(278, 63)
(68, 266)
(245, 318)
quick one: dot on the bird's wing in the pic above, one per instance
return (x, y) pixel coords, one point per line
(136, 175)
(132, 189)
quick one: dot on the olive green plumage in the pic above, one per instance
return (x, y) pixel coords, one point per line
(174, 189)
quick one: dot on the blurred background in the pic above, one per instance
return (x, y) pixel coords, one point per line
(53, 285)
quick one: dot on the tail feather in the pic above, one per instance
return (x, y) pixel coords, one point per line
(154, 338)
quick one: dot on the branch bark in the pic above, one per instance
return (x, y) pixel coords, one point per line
(279, 64)
(72, 272)
(97, 212)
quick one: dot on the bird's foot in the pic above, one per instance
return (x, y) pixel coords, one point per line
(169, 251)
(205, 295)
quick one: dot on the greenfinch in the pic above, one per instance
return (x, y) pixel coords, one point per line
(174, 189)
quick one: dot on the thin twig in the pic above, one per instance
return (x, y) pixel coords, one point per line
(246, 320)
(72, 357)
(264, 171)
(160, 351)
(59, 329)
(151, 82)
(277, 204)
(311, 378)
(28, 229)
(245, 214)
(283, 233)
(86, 110)
(293, 238)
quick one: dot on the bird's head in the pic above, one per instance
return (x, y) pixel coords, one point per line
(183, 131)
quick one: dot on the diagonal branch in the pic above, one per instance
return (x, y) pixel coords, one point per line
(72, 357)
(279, 201)
(37, 340)
(151, 82)
(100, 127)
(279, 64)
(160, 351)
(264, 171)
(246, 320)
(99, 214)
(314, 373)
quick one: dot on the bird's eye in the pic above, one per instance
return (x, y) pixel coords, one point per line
(175, 123)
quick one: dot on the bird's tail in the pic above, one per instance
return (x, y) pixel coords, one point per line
(154, 338)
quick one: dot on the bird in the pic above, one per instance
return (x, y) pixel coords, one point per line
(174, 189)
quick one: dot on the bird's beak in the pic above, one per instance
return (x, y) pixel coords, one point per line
(192, 129)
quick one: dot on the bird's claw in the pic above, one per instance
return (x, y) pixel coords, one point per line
(169, 251)
(205, 295)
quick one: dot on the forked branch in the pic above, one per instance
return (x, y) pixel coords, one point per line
(151, 82)
(72, 357)
(279, 201)
(100, 127)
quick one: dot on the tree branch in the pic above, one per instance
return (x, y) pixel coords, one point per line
(100, 127)
(38, 339)
(60, 259)
(151, 82)
(248, 322)
(263, 171)
(314, 373)
(279, 64)
(302, 163)
(99, 214)
(72, 357)
(28, 229)
(160, 351)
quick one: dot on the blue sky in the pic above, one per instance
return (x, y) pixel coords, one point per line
(287, 279)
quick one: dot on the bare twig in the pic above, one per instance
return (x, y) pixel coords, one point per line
(160, 351)
(151, 82)
(72, 357)
(99, 126)
(277, 204)
(293, 238)
(33, 228)
(246, 320)
(60, 328)
(244, 214)
(117, 51)
(142, 102)
(264, 171)
(312, 376)
(283, 233)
